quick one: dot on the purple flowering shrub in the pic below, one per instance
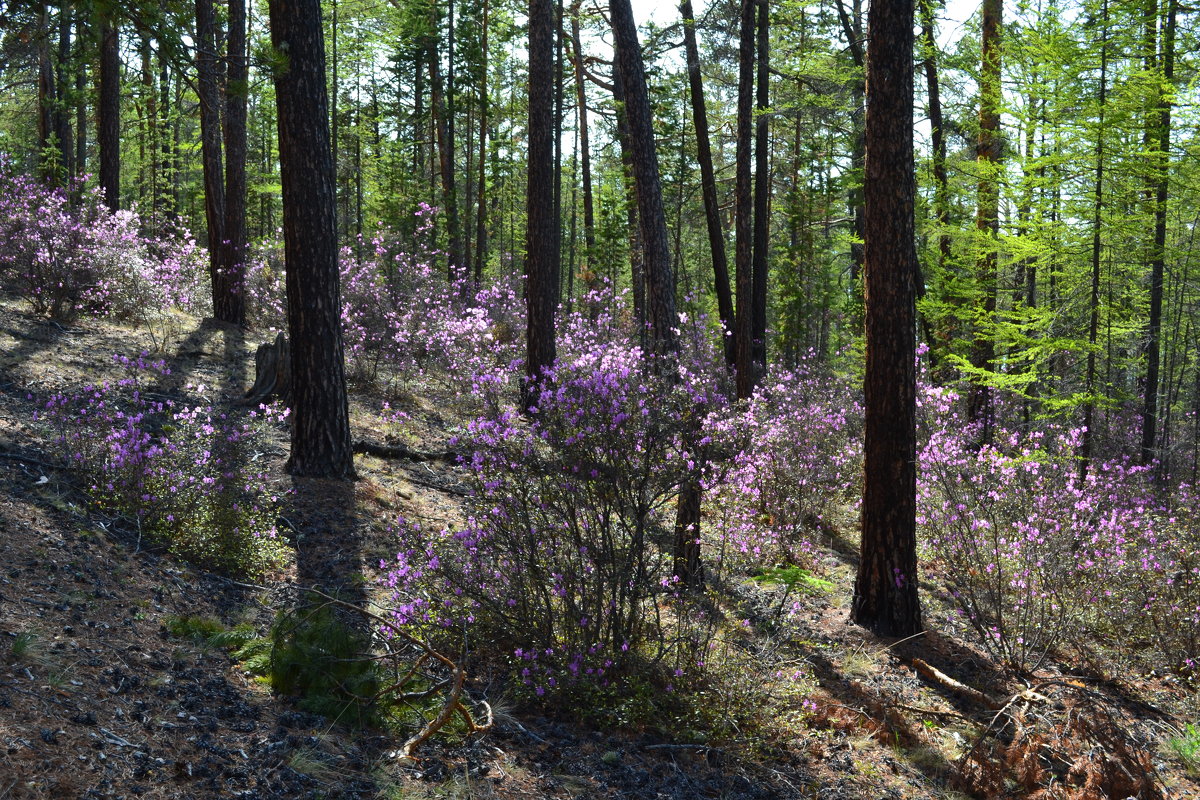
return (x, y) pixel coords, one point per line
(175, 472)
(562, 562)
(797, 459)
(67, 260)
(1034, 558)
(400, 312)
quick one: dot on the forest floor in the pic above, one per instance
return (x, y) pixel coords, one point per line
(101, 697)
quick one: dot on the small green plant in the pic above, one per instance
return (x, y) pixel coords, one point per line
(1186, 747)
(325, 663)
(201, 630)
(795, 580)
(26, 647)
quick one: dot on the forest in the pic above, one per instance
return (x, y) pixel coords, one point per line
(562, 399)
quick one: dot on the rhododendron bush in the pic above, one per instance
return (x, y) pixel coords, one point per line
(562, 558)
(401, 313)
(1037, 557)
(796, 461)
(178, 473)
(69, 258)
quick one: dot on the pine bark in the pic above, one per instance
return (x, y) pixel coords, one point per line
(230, 303)
(708, 184)
(743, 205)
(660, 281)
(542, 230)
(762, 196)
(885, 590)
(321, 445)
(108, 116)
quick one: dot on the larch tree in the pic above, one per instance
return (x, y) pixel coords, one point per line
(321, 445)
(885, 590)
(980, 403)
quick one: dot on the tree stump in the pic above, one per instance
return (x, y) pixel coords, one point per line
(272, 372)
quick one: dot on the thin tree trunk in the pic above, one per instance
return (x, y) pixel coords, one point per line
(1162, 129)
(1089, 409)
(230, 304)
(587, 272)
(980, 402)
(708, 185)
(743, 205)
(481, 237)
(762, 198)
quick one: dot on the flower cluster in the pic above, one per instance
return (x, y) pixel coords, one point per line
(176, 471)
(560, 561)
(1038, 555)
(68, 258)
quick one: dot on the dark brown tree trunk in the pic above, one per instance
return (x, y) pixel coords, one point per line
(851, 21)
(229, 304)
(81, 106)
(708, 185)
(660, 281)
(885, 591)
(46, 99)
(743, 205)
(481, 237)
(941, 184)
(1162, 137)
(208, 89)
(1089, 408)
(108, 115)
(637, 271)
(444, 130)
(980, 401)
(762, 197)
(589, 210)
(542, 230)
(321, 445)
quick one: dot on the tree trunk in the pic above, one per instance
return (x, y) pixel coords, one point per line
(1162, 134)
(980, 402)
(1089, 408)
(660, 282)
(208, 89)
(708, 185)
(230, 304)
(542, 230)
(589, 210)
(743, 208)
(108, 115)
(481, 237)
(885, 590)
(321, 445)
(762, 198)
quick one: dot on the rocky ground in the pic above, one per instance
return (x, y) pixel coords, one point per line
(102, 697)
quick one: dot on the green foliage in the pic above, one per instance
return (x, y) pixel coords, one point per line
(323, 661)
(1186, 747)
(199, 629)
(793, 578)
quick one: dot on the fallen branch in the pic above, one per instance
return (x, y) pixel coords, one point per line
(937, 676)
(401, 451)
